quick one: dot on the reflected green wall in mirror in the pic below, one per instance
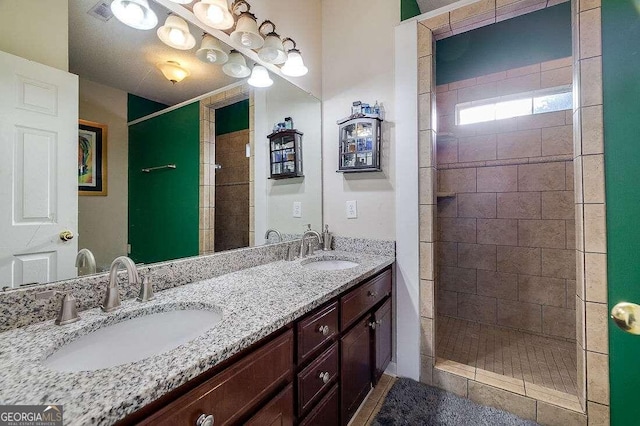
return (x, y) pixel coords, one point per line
(138, 107)
(232, 118)
(163, 204)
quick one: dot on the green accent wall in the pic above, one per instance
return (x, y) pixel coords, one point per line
(232, 118)
(621, 87)
(529, 39)
(408, 9)
(138, 107)
(163, 204)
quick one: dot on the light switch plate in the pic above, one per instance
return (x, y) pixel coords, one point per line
(297, 209)
(352, 209)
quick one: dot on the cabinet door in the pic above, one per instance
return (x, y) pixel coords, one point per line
(355, 367)
(383, 342)
(326, 413)
(278, 412)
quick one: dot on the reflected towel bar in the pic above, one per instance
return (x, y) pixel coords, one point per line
(150, 169)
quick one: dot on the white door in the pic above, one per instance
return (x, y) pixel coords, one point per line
(38, 171)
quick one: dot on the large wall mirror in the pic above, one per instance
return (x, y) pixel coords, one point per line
(185, 165)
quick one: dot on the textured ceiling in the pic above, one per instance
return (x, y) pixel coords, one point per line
(116, 55)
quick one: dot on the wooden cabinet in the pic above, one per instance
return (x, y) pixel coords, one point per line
(355, 368)
(315, 371)
(236, 391)
(278, 412)
(285, 148)
(382, 339)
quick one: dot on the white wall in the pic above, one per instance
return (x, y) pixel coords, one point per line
(358, 64)
(103, 221)
(36, 30)
(285, 100)
(300, 20)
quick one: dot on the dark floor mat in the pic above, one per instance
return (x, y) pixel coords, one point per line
(412, 403)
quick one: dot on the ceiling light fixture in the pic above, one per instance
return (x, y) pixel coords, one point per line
(211, 51)
(173, 71)
(236, 66)
(272, 51)
(175, 33)
(214, 13)
(294, 67)
(246, 32)
(135, 13)
(260, 77)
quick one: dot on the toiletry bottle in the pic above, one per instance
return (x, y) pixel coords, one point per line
(326, 239)
(376, 108)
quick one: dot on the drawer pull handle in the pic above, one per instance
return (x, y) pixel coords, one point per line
(372, 293)
(372, 324)
(205, 420)
(379, 322)
(324, 377)
(324, 329)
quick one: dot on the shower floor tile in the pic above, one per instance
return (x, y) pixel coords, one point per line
(535, 359)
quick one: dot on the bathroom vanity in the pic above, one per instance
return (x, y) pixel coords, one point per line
(314, 371)
(287, 342)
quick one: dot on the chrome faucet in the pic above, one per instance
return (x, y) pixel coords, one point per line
(309, 231)
(85, 259)
(112, 297)
(275, 231)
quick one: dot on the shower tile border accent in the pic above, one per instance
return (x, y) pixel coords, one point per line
(587, 138)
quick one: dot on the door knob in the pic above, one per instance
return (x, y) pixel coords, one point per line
(66, 235)
(205, 420)
(627, 316)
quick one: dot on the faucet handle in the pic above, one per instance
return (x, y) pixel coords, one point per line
(68, 310)
(146, 290)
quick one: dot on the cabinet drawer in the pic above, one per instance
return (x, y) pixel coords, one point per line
(327, 412)
(317, 377)
(316, 329)
(231, 394)
(278, 412)
(360, 300)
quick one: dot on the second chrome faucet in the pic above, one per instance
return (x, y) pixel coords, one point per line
(112, 296)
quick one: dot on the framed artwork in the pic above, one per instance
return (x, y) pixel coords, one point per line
(92, 158)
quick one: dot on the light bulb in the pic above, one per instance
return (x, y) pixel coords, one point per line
(215, 14)
(211, 56)
(134, 12)
(246, 39)
(176, 36)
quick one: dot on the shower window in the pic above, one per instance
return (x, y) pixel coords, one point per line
(537, 102)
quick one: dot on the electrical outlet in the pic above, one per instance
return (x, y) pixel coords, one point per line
(297, 209)
(352, 209)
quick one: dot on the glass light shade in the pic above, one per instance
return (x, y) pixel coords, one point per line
(273, 51)
(135, 13)
(260, 77)
(246, 32)
(175, 33)
(211, 51)
(236, 66)
(294, 67)
(214, 13)
(173, 71)
(182, 1)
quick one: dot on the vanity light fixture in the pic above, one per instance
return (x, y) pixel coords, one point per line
(236, 66)
(135, 13)
(214, 13)
(294, 67)
(272, 51)
(260, 77)
(175, 33)
(246, 32)
(211, 51)
(173, 71)
(182, 1)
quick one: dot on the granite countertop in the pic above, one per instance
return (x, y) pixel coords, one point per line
(254, 303)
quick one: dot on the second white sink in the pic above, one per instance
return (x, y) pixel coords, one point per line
(330, 265)
(132, 340)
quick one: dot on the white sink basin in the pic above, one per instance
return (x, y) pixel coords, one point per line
(132, 340)
(330, 265)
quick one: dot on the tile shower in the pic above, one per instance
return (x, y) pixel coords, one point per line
(505, 241)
